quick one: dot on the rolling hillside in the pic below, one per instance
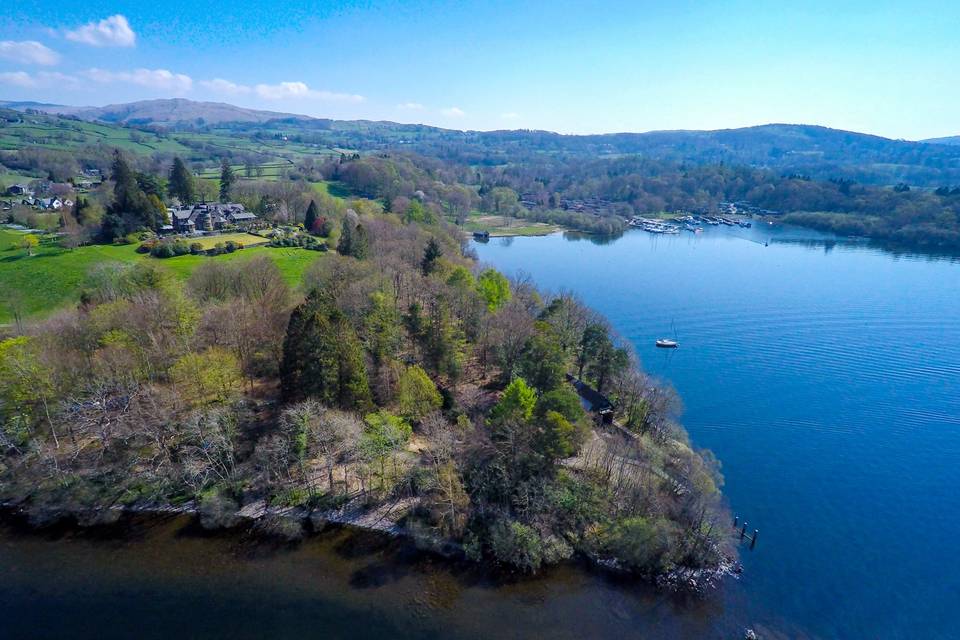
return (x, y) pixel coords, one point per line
(809, 150)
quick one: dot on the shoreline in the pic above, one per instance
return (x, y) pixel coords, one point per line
(377, 520)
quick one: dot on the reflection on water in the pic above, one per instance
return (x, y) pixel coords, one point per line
(159, 578)
(576, 236)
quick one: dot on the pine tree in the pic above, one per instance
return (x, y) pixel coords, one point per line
(345, 244)
(131, 208)
(227, 178)
(181, 184)
(361, 243)
(430, 255)
(323, 357)
(310, 219)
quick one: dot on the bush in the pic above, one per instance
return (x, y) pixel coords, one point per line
(218, 511)
(230, 246)
(162, 250)
(169, 249)
(517, 545)
(196, 248)
(642, 544)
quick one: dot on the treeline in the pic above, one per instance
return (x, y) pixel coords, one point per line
(397, 372)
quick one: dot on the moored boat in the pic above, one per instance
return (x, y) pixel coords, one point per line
(665, 343)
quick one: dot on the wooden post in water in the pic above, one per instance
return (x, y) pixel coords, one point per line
(736, 520)
(743, 531)
(753, 540)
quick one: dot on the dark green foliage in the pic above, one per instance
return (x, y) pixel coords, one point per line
(543, 363)
(589, 344)
(323, 357)
(180, 184)
(608, 361)
(565, 401)
(310, 218)
(643, 544)
(169, 249)
(516, 544)
(227, 178)
(360, 245)
(430, 256)
(301, 240)
(131, 209)
(345, 243)
(80, 207)
(150, 184)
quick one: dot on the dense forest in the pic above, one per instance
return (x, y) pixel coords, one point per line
(398, 376)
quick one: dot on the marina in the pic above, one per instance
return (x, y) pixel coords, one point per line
(687, 222)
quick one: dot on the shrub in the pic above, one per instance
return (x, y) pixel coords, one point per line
(218, 511)
(418, 394)
(230, 246)
(517, 545)
(169, 249)
(196, 248)
(162, 250)
(643, 544)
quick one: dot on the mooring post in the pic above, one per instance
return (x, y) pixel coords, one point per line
(736, 521)
(753, 541)
(743, 531)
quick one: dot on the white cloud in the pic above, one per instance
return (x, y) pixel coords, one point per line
(453, 112)
(17, 78)
(283, 90)
(219, 85)
(290, 90)
(28, 52)
(410, 106)
(41, 79)
(152, 78)
(510, 115)
(114, 31)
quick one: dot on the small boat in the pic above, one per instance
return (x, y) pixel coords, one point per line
(665, 343)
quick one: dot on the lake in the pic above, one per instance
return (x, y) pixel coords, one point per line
(824, 375)
(826, 378)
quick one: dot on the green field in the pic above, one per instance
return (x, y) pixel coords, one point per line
(52, 278)
(504, 226)
(48, 131)
(246, 239)
(52, 132)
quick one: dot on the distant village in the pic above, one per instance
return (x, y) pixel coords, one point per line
(190, 219)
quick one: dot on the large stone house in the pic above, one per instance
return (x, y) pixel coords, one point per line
(209, 216)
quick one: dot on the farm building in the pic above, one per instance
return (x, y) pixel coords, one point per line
(209, 216)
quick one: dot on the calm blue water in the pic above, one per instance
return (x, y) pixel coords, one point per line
(826, 378)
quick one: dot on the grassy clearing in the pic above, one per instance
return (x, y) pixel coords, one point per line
(502, 226)
(53, 277)
(246, 239)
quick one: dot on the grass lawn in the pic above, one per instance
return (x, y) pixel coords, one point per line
(501, 226)
(53, 277)
(247, 239)
(331, 188)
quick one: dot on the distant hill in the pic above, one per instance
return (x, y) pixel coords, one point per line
(28, 104)
(799, 149)
(951, 140)
(172, 111)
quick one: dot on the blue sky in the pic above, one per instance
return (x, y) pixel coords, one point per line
(889, 68)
